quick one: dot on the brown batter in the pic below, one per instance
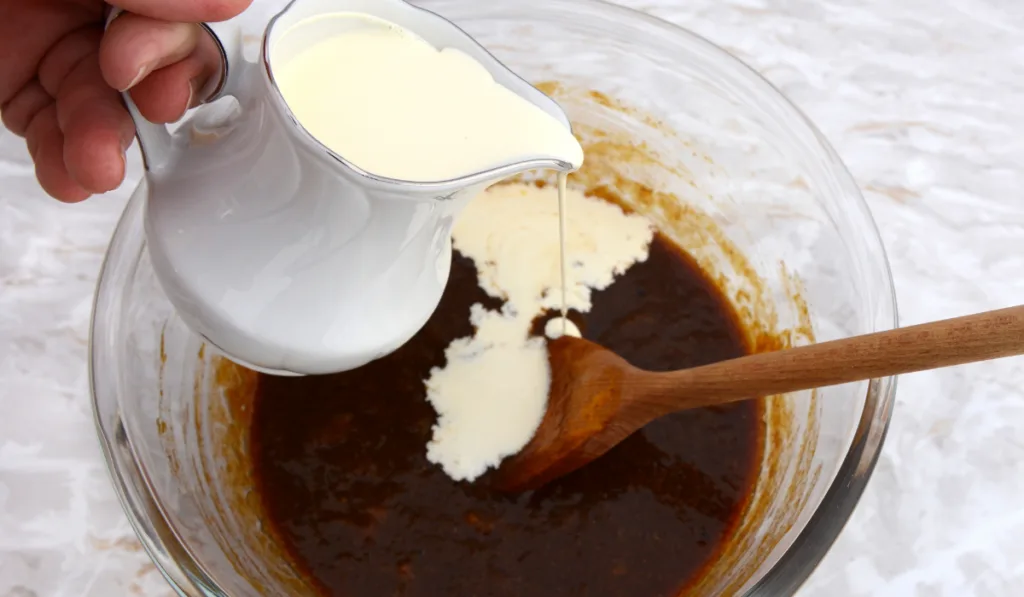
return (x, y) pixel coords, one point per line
(342, 471)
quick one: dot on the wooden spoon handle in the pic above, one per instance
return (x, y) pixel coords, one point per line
(980, 337)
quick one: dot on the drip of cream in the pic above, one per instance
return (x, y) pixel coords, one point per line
(562, 181)
(556, 328)
(492, 393)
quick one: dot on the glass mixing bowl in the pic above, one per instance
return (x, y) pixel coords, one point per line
(689, 136)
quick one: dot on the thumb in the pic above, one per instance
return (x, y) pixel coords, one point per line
(184, 11)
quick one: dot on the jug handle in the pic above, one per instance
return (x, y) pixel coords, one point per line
(155, 140)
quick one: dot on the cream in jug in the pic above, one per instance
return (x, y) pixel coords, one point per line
(397, 107)
(312, 234)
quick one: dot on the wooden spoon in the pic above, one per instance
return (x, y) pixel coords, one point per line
(597, 399)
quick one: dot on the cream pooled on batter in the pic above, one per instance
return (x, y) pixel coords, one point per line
(491, 395)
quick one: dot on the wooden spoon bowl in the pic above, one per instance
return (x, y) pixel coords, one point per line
(596, 399)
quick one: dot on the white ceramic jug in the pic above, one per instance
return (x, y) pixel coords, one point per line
(282, 254)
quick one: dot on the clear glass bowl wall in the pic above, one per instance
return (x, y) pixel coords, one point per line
(709, 134)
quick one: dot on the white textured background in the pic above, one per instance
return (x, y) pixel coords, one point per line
(923, 99)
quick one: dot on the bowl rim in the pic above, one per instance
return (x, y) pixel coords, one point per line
(187, 577)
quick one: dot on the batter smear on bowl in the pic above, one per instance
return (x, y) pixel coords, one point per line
(366, 508)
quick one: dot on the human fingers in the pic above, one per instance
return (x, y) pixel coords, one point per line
(23, 107)
(165, 95)
(28, 29)
(94, 125)
(97, 129)
(46, 146)
(166, 65)
(135, 46)
(186, 11)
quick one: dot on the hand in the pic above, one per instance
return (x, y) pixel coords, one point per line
(60, 74)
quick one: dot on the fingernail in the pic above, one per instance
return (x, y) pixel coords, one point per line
(188, 103)
(143, 71)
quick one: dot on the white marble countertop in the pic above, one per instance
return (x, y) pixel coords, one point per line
(923, 99)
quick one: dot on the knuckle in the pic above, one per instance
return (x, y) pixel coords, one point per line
(15, 126)
(65, 55)
(18, 112)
